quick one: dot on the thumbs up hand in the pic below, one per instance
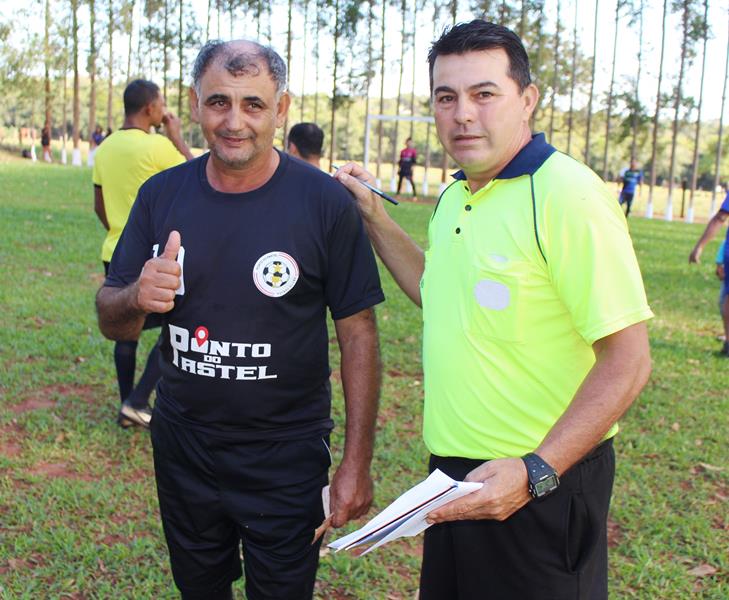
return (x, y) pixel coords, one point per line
(160, 279)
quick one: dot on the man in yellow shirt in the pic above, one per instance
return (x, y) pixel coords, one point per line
(534, 341)
(125, 160)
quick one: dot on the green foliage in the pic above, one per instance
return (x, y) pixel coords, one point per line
(78, 510)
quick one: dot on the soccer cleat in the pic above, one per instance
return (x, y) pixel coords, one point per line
(139, 416)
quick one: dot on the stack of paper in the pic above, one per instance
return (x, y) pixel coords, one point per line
(406, 515)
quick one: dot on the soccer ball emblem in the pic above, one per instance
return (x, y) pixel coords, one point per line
(276, 274)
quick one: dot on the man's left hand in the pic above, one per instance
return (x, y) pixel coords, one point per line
(504, 491)
(351, 493)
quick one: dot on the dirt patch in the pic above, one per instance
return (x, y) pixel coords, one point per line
(60, 470)
(32, 562)
(47, 397)
(10, 436)
(97, 278)
(614, 533)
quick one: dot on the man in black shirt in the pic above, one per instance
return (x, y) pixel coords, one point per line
(249, 248)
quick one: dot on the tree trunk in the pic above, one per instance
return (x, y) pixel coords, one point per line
(676, 110)
(131, 35)
(76, 99)
(654, 144)
(592, 87)
(523, 18)
(303, 66)
(555, 77)
(412, 89)
(618, 6)
(64, 111)
(403, 46)
(537, 62)
(573, 76)
(288, 66)
(165, 46)
(444, 163)
(180, 56)
(636, 99)
(319, 7)
(695, 162)
(47, 66)
(207, 20)
(721, 126)
(382, 94)
(368, 81)
(332, 129)
(92, 67)
(110, 89)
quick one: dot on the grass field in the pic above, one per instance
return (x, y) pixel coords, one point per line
(78, 510)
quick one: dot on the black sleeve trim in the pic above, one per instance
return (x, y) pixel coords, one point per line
(368, 302)
(534, 218)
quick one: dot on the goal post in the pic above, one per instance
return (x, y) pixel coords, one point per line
(368, 123)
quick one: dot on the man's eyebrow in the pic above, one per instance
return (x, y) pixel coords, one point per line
(216, 98)
(475, 86)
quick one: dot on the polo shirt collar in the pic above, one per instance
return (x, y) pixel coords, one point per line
(526, 162)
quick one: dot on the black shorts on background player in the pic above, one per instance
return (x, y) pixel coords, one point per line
(244, 401)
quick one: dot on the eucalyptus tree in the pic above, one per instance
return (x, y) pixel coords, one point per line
(404, 37)
(76, 156)
(592, 85)
(91, 66)
(704, 26)
(573, 77)
(111, 26)
(346, 17)
(127, 18)
(369, 68)
(378, 169)
(690, 32)
(305, 4)
(555, 72)
(619, 5)
(656, 115)
(47, 64)
(721, 126)
(637, 15)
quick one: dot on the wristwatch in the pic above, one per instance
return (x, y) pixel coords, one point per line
(543, 478)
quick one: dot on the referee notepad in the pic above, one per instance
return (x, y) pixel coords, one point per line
(406, 515)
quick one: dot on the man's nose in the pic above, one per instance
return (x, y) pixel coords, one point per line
(234, 119)
(464, 110)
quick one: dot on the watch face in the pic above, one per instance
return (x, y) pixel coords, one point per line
(545, 486)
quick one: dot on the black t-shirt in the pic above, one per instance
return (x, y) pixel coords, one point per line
(245, 349)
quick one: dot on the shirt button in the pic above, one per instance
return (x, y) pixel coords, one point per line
(458, 230)
(468, 207)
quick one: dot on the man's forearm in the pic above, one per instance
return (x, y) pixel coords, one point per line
(361, 375)
(402, 256)
(622, 369)
(711, 228)
(120, 318)
(182, 147)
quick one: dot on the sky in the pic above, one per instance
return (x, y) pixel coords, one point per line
(628, 42)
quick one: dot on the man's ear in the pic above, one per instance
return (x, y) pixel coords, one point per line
(194, 111)
(530, 96)
(293, 150)
(282, 109)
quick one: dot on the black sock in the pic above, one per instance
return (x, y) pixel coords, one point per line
(125, 356)
(139, 398)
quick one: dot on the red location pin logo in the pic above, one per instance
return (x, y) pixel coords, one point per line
(201, 335)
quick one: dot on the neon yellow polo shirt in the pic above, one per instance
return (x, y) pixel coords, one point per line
(123, 162)
(521, 278)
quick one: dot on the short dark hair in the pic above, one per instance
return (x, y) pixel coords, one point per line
(138, 94)
(240, 63)
(482, 35)
(308, 137)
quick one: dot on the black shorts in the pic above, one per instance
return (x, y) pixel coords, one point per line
(216, 495)
(626, 197)
(153, 319)
(553, 548)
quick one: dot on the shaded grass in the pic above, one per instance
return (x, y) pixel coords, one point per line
(78, 510)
